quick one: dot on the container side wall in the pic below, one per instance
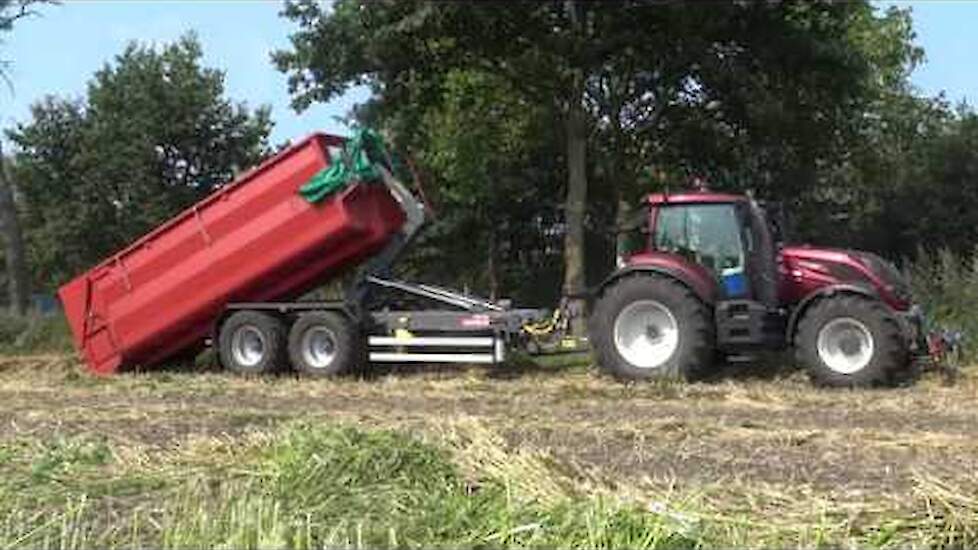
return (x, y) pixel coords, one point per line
(255, 240)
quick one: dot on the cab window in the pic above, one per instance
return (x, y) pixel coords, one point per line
(708, 234)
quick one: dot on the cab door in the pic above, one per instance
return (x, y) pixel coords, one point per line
(762, 267)
(711, 235)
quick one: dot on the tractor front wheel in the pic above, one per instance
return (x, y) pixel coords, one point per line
(649, 326)
(851, 341)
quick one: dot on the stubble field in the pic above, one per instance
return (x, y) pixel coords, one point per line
(527, 456)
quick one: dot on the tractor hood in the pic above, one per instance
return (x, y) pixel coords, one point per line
(808, 268)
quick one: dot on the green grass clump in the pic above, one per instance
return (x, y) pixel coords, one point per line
(311, 486)
(946, 285)
(34, 334)
(316, 487)
(327, 487)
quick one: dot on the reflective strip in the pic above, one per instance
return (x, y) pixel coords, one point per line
(484, 342)
(432, 358)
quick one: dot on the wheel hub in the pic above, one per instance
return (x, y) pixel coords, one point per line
(845, 345)
(646, 334)
(248, 345)
(319, 347)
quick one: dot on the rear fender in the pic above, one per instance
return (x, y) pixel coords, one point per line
(693, 276)
(824, 292)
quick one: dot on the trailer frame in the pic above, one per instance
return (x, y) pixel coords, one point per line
(461, 328)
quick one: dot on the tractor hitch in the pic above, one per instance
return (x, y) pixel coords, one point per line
(944, 352)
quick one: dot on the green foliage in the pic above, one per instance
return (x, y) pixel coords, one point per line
(12, 10)
(946, 285)
(934, 203)
(491, 185)
(772, 97)
(62, 457)
(11, 326)
(21, 334)
(153, 135)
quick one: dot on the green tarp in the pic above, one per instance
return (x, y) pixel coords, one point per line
(358, 162)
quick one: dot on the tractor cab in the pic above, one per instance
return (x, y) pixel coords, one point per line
(726, 236)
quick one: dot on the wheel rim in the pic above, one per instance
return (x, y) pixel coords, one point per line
(318, 347)
(646, 334)
(845, 345)
(248, 345)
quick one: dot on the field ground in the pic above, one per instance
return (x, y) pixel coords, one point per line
(743, 460)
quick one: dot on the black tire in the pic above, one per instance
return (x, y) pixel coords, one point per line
(695, 350)
(243, 326)
(340, 347)
(890, 358)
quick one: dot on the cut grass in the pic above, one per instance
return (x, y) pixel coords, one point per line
(314, 487)
(309, 486)
(546, 458)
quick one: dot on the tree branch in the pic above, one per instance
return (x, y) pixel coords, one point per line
(22, 8)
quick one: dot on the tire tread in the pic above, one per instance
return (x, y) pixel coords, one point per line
(697, 331)
(891, 362)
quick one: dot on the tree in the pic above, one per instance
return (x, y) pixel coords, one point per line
(13, 10)
(932, 203)
(406, 49)
(478, 140)
(16, 265)
(18, 287)
(756, 95)
(154, 135)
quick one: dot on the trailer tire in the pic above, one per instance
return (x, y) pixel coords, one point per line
(325, 343)
(252, 343)
(851, 341)
(682, 345)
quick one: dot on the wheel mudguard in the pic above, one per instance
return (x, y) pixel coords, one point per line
(823, 292)
(674, 266)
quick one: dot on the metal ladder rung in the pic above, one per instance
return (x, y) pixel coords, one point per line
(443, 341)
(480, 358)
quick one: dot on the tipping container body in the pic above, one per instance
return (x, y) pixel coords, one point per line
(254, 240)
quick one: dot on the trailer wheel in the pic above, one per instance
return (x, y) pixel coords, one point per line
(252, 342)
(850, 341)
(652, 327)
(325, 343)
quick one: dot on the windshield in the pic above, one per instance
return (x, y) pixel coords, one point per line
(708, 234)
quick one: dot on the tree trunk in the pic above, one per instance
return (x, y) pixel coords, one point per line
(17, 283)
(623, 215)
(491, 264)
(574, 210)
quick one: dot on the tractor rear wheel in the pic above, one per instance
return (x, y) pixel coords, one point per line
(851, 341)
(649, 326)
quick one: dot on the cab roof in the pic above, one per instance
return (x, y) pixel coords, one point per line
(692, 197)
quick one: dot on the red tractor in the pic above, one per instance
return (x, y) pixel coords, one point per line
(705, 275)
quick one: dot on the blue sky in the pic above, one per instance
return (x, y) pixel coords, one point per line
(58, 52)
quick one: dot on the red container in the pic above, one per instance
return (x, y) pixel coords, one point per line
(254, 240)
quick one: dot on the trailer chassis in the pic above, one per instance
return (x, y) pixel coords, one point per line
(457, 328)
